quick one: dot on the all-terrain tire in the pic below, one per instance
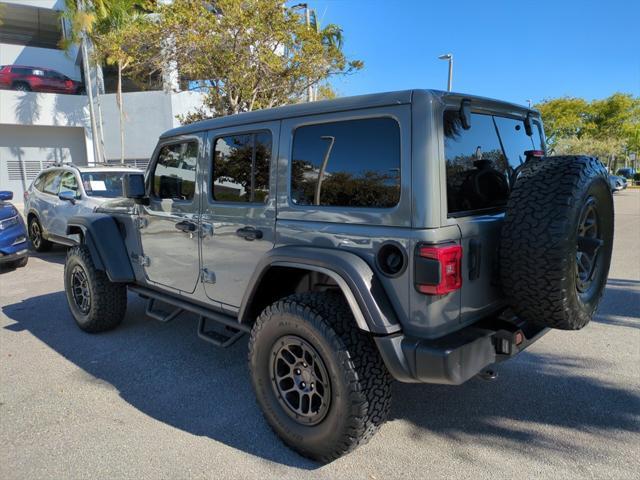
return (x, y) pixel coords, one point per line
(547, 233)
(36, 236)
(107, 301)
(360, 386)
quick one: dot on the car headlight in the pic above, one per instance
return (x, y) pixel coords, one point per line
(9, 222)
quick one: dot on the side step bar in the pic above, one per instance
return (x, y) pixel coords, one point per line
(228, 330)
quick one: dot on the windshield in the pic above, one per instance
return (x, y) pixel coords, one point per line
(103, 184)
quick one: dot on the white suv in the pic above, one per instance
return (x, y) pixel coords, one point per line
(59, 193)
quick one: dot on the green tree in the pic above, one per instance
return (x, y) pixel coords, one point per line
(608, 128)
(248, 54)
(113, 27)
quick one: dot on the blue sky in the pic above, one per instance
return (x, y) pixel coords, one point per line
(511, 50)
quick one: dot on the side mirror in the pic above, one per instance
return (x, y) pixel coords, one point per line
(68, 196)
(133, 186)
(6, 195)
(465, 114)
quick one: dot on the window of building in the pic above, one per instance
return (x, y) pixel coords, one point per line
(241, 168)
(354, 163)
(31, 26)
(174, 175)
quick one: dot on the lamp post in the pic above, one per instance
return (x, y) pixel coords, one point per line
(448, 56)
(307, 16)
(529, 102)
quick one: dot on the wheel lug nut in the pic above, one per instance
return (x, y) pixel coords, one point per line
(304, 365)
(298, 372)
(303, 385)
(311, 385)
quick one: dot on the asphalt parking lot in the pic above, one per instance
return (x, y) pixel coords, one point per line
(151, 400)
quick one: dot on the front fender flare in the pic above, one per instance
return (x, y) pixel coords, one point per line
(362, 289)
(104, 241)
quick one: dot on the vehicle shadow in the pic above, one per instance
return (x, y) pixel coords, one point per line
(515, 411)
(165, 371)
(621, 302)
(57, 254)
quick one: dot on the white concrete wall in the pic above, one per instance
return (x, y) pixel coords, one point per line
(26, 149)
(146, 116)
(55, 4)
(59, 60)
(47, 109)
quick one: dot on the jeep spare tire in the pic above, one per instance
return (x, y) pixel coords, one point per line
(556, 241)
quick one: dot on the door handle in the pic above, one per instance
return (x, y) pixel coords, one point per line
(186, 226)
(249, 233)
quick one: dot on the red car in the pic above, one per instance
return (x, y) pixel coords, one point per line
(36, 79)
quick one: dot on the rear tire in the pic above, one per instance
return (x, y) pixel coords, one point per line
(36, 235)
(556, 242)
(21, 87)
(356, 394)
(96, 303)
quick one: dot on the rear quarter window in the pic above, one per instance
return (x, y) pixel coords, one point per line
(353, 163)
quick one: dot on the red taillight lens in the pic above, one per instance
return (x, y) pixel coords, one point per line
(534, 153)
(449, 277)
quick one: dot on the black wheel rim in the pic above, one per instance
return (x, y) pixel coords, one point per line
(36, 234)
(589, 242)
(80, 289)
(300, 380)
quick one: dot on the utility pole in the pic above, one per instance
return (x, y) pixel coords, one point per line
(449, 57)
(529, 102)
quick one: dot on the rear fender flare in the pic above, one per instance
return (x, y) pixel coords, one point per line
(363, 292)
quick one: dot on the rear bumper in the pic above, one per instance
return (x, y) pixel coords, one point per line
(457, 357)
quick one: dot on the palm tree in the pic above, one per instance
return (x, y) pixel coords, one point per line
(105, 23)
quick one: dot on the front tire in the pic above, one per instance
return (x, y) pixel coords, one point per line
(20, 263)
(96, 303)
(36, 235)
(308, 339)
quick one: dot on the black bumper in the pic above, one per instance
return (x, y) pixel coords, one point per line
(455, 358)
(12, 257)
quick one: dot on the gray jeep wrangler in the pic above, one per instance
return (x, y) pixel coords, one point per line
(418, 235)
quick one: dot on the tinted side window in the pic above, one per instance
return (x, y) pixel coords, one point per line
(21, 71)
(52, 183)
(174, 175)
(476, 164)
(241, 168)
(69, 183)
(515, 140)
(353, 163)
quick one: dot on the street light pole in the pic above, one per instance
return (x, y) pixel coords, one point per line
(307, 16)
(449, 57)
(529, 102)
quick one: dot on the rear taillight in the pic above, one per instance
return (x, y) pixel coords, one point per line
(534, 154)
(438, 269)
